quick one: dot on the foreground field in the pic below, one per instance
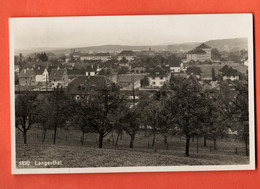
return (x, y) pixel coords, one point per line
(71, 153)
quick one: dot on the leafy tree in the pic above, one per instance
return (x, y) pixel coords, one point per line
(103, 106)
(145, 82)
(132, 123)
(215, 54)
(153, 116)
(241, 114)
(25, 112)
(187, 107)
(60, 110)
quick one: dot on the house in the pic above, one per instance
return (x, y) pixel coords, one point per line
(177, 66)
(194, 71)
(108, 73)
(59, 77)
(92, 70)
(201, 53)
(223, 69)
(206, 76)
(97, 56)
(41, 74)
(27, 77)
(128, 55)
(158, 77)
(82, 85)
(230, 74)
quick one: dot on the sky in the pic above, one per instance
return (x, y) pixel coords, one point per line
(71, 32)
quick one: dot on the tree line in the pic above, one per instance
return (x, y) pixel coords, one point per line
(185, 110)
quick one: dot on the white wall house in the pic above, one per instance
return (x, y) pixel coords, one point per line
(158, 77)
(41, 74)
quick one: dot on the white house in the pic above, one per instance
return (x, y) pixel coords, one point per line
(41, 74)
(200, 53)
(158, 77)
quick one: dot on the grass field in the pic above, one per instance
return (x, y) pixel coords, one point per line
(72, 154)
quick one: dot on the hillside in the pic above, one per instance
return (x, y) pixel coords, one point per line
(221, 44)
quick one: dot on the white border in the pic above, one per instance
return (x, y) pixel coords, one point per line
(250, 166)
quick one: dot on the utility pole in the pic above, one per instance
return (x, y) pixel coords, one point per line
(133, 78)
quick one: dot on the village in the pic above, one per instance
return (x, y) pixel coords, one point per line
(97, 97)
(127, 69)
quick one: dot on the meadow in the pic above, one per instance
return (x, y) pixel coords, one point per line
(72, 154)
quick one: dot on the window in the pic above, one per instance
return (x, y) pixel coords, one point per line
(157, 73)
(153, 83)
(161, 78)
(153, 77)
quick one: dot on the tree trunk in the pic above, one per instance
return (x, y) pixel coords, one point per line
(132, 141)
(215, 144)
(44, 135)
(153, 139)
(187, 149)
(165, 139)
(54, 135)
(100, 140)
(205, 141)
(82, 138)
(25, 137)
(118, 134)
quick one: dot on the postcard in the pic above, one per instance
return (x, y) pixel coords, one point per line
(155, 93)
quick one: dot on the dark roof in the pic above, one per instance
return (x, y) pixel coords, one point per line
(91, 68)
(193, 70)
(230, 72)
(175, 64)
(158, 72)
(106, 72)
(39, 70)
(57, 74)
(82, 84)
(26, 73)
(197, 51)
(206, 75)
(224, 68)
(127, 53)
(204, 46)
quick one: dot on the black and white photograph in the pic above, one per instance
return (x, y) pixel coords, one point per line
(98, 94)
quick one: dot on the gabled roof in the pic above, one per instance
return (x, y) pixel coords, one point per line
(91, 68)
(39, 70)
(206, 75)
(26, 73)
(224, 68)
(197, 51)
(230, 72)
(106, 72)
(175, 64)
(204, 46)
(83, 84)
(193, 70)
(158, 72)
(57, 74)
